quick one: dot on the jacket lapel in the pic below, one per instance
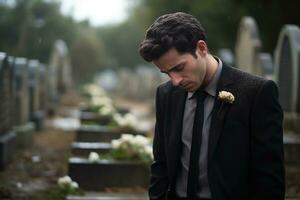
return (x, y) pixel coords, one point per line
(177, 110)
(220, 110)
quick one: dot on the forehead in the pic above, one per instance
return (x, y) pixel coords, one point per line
(169, 59)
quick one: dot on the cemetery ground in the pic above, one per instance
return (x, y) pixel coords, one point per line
(34, 172)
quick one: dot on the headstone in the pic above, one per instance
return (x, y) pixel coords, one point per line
(43, 87)
(59, 73)
(21, 90)
(266, 64)
(286, 64)
(108, 173)
(22, 126)
(7, 136)
(248, 46)
(35, 114)
(291, 150)
(139, 84)
(226, 56)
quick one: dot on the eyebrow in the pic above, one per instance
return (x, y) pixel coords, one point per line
(172, 68)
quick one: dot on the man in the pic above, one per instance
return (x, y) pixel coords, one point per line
(218, 132)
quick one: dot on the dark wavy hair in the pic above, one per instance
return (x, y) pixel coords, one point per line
(179, 30)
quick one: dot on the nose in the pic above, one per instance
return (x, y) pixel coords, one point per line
(175, 78)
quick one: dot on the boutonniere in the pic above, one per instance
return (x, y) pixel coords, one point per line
(226, 96)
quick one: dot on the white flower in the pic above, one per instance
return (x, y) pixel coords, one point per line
(64, 181)
(115, 144)
(94, 157)
(94, 90)
(149, 151)
(106, 110)
(128, 120)
(226, 96)
(127, 137)
(74, 185)
(134, 146)
(141, 140)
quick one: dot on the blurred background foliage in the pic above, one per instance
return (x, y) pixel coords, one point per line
(29, 28)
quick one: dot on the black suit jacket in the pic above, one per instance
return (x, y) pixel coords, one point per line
(245, 152)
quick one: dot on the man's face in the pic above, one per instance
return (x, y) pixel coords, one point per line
(185, 70)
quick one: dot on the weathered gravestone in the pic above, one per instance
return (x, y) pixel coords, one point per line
(43, 93)
(59, 73)
(248, 46)
(266, 64)
(22, 126)
(35, 113)
(7, 135)
(286, 64)
(287, 73)
(108, 173)
(226, 56)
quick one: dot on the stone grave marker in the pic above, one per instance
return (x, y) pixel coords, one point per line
(226, 56)
(7, 135)
(248, 46)
(35, 113)
(286, 64)
(43, 87)
(108, 173)
(22, 126)
(59, 73)
(266, 64)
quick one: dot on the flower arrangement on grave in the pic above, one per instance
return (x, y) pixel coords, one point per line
(126, 123)
(97, 100)
(128, 147)
(65, 187)
(132, 147)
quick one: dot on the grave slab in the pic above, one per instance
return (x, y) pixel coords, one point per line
(7, 148)
(83, 149)
(99, 133)
(24, 135)
(291, 149)
(108, 173)
(109, 196)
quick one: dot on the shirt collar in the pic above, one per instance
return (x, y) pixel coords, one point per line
(211, 88)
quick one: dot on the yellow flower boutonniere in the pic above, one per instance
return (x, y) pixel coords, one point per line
(226, 96)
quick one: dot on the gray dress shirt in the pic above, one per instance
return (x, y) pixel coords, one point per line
(186, 138)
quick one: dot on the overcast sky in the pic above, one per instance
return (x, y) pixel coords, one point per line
(99, 12)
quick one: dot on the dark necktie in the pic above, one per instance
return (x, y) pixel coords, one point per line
(193, 173)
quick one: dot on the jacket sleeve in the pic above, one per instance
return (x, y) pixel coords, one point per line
(267, 159)
(159, 181)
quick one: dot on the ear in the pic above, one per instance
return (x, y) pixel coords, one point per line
(201, 48)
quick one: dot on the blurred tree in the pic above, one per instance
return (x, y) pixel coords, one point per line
(30, 28)
(121, 43)
(87, 55)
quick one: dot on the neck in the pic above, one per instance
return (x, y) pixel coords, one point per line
(212, 66)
